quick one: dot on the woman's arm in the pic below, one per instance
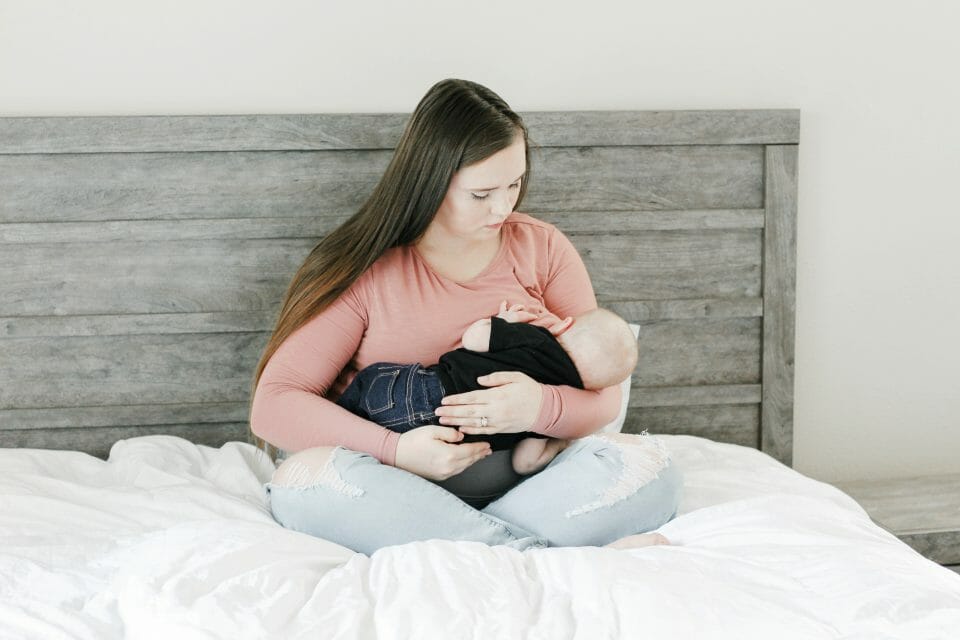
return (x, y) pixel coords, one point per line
(289, 408)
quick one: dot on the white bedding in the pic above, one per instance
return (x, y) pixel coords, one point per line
(172, 540)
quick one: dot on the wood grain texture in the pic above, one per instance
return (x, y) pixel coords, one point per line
(629, 222)
(261, 228)
(640, 310)
(333, 184)
(192, 276)
(97, 440)
(674, 265)
(123, 415)
(736, 424)
(779, 301)
(699, 352)
(572, 224)
(300, 132)
(126, 370)
(263, 319)
(189, 275)
(646, 178)
(174, 186)
(718, 394)
(137, 323)
(143, 258)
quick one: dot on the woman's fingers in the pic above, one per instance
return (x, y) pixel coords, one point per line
(510, 404)
(473, 450)
(449, 434)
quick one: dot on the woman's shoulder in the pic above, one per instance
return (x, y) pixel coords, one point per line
(392, 265)
(524, 228)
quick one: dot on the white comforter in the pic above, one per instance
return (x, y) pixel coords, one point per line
(172, 540)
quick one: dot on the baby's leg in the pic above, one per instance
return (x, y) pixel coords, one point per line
(533, 454)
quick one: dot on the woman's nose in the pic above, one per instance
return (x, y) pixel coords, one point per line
(502, 206)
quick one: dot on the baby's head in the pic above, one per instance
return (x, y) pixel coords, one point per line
(602, 346)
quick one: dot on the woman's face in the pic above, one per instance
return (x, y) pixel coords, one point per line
(482, 195)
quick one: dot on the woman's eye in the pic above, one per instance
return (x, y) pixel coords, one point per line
(515, 186)
(476, 197)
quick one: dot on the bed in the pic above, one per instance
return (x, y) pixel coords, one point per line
(143, 260)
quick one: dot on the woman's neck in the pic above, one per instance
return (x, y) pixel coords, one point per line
(458, 261)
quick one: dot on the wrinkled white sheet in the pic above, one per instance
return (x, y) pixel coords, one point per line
(168, 539)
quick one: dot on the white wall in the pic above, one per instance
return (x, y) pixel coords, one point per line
(878, 292)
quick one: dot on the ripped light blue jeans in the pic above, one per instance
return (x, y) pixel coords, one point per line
(595, 491)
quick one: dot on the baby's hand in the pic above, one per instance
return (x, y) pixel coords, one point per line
(515, 313)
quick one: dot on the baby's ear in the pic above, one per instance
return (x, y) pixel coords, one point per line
(561, 326)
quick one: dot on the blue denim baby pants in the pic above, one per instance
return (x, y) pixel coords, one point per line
(399, 397)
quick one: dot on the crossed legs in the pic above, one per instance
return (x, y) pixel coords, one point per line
(603, 490)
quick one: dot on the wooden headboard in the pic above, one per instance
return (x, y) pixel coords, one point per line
(143, 259)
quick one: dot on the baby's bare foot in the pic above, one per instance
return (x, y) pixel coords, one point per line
(638, 540)
(533, 454)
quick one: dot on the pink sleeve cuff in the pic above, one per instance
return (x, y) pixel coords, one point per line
(568, 412)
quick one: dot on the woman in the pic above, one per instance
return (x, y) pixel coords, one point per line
(438, 244)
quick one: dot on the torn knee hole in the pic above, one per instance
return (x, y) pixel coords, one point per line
(297, 475)
(640, 464)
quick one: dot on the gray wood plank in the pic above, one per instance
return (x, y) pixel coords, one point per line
(954, 567)
(169, 230)
(640, 310)
(735, 424)
(381, 130)
(719, 394)
(623, 222)
(141, 186)
(123, 415)
(573, 224)
(216, 367)
(612, 128)
(910, 505)
(128, 370)
(139, 134)
(170, 186)
(705, 351)
(97, 440)
(164, 276)
(264, 319)
(672, 265)
(148, 277)
(646, 178)
(779, 296)
(138, 323)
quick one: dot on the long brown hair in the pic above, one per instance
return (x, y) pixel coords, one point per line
(456, 124)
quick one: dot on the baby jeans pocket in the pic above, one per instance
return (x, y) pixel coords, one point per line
(379, 396)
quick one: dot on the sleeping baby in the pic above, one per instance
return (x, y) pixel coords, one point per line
(592, 351)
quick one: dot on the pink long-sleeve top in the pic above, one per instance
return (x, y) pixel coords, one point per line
(401, 310)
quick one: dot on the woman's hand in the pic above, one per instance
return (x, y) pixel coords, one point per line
(431, 452)
(511, 405)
